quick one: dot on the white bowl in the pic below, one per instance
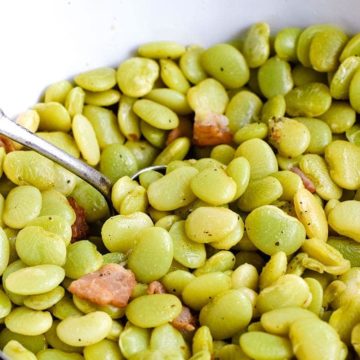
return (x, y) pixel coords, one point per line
(44, 41)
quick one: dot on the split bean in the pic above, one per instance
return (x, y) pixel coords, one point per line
(136, 76)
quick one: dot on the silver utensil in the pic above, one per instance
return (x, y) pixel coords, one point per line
(93, 177)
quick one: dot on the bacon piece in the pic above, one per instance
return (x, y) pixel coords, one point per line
(112, 284)
(80, 228)
(156, 287)
(309, 185)
(7, 143)
(183, 130)
(185, 321)
(211, 129)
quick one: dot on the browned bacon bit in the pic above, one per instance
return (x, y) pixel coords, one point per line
(79, 228)
(183, 130)
(110, 285)
(211, 129)
(156, 287)
(7, 143)
(185, 321)
(309, 185)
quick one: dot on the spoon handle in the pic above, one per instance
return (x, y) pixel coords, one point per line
(23, 136)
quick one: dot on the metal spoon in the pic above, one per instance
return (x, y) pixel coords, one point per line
(93, 177)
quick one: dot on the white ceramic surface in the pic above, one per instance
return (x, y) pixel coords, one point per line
(43, 41)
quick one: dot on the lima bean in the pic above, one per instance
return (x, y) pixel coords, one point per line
(304, 333)
(285, 43)
(340, 117)
(207, 224)
(54, 224)
(314, 167)
(161, 49)
(29, 168)
(55, 203)
(343, 219)
(45, 300)
(200, 290)
(271, 230)
(16, 351)
(260, 156)
(190, 64)
(128, 121)
(85, 139)
(312, 100)
(136, 76)
(35, 280)
(202, 183)
(260, 192)
(82, 258)
(55, 354)
(84, 330)
(172, 76)
(325, 49)
(102, 98)
(149, 311)
(305, 75)
(287, 290)
(226, 64)
(174, 190)
(74, 101)
(275, 78)
(311, 214)
(278, 321)
(104, 123)
(4, 251)
(99, 79)
(340, 83)
(263, 346)
(222, 261)
(186, 252)
(239, 170)
(53, 117)
(243, 108)
(119, 232)
(34, 343)
(351, 48)
(173, 99)
(133, 340)
(156, 115)
(208, 95)
(57, 91)
(222, 322)
(167, 338)
(151, 243)
(256, 47)
(36, 246)
(273, 269)
(343, 159)
(117, 160)
(91, 201)
(25, 321)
